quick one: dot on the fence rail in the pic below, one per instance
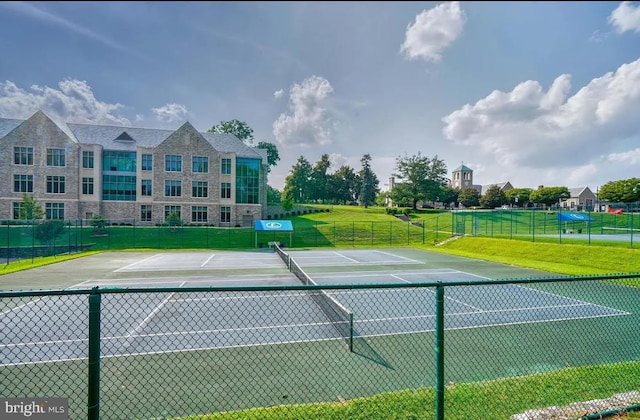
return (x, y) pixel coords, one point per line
(121, 353)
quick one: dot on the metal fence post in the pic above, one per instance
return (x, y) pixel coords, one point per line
(93, 391)
(439, 351)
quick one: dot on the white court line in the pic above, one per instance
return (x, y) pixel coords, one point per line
(344, 256)
(148, 353)
(548, 293)
(208, 259)
(398, 256)
(144, 321)
(358, 274)
(400, 278)
(502, 324)
(137, 262)
(167, 334)
(20, 306)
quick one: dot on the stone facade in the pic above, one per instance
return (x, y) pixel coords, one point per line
(23, 158)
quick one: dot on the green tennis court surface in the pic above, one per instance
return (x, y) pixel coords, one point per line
(179, 353)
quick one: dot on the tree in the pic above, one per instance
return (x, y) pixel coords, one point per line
(448, 195)
(549, 195)
(48, 230)
(368, 182)
(241, 130)
(621, 191)
(423, 178)
(99, 223)
(469, 197)
(298, 182)
(494, 197)
(518, 197)
(272, 153)
(174, 220)
(343, 185)
(238, 128)
(320, 179)
(30, 209)
(273, 195)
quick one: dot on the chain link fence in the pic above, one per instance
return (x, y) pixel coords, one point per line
(30, 239)
(619, 226)
(174, 352)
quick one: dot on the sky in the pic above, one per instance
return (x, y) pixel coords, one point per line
(534, 93)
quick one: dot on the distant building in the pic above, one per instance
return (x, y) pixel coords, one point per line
(76, 171)
(581, 199)
(503, 186)
(462, 177)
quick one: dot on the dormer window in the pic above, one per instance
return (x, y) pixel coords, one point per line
(124, 137)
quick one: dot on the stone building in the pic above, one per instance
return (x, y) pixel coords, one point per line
(76, 171)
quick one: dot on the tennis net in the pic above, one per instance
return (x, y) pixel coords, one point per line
(339, 316)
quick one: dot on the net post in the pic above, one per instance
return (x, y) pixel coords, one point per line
(351, 332)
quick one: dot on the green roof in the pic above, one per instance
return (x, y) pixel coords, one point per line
(463, 169)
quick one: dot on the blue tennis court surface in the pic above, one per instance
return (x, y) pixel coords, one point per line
(34, 330)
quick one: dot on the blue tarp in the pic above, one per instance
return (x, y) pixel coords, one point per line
(274, 225)
(574, 217)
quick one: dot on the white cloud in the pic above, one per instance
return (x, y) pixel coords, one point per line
(631, 157)
(529, 128)
(72, 102)
(308, 121)
(170, 113)
(433, 31)
(626, 17)
(278, 93)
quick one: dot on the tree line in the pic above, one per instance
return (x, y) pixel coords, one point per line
(420, 179)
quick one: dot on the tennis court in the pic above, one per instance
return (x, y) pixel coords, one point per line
(164, 322)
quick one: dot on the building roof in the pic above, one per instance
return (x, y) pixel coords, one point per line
(482, 189)
(575, 192)
(113, 137)
(463, 168)
(7, 125)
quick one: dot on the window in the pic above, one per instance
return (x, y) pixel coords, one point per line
(172, 209)
(87, 159)
(200, 164)
(23, 183)
(119, 187)
(172, 188)
(225, 190)
(226, 166)
(200, 189)
(199, 214)
(23, 155)
(118, 161)
(17, 209)
(248, 181)
(55, 157)
(147, 162)
(87, 186)
(145, 212)
(54, 211)
(55, 184)
(225, 214)
(173, 163)
(146, 187)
